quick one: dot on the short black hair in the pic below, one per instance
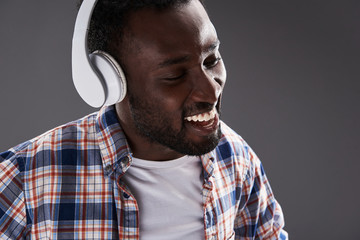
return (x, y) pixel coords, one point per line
(109, 19)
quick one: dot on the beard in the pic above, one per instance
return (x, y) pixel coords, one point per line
(153, 123)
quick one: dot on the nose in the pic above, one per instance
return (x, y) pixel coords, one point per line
(206, 88)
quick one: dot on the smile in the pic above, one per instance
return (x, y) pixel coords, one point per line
(203, 117)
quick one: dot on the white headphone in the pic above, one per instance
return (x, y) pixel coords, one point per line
(97, 77)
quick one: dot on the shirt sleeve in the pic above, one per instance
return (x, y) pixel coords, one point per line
(259, 215)
(12, 202)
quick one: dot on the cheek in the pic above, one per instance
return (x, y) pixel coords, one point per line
(172, 98)
(164, 97)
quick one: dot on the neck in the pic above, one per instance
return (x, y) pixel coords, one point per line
(141, 146)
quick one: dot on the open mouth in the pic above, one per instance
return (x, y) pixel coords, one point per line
(203, 117)
(203, 124)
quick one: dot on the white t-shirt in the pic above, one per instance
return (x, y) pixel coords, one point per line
(169, 196)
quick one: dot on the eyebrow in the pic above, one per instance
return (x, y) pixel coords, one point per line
(182, 59)
(173, 61)
(213, 46)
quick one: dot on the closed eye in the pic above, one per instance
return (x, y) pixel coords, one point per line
(174, 78)
(212, 63)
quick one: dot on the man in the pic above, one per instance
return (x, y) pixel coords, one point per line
(157, 165)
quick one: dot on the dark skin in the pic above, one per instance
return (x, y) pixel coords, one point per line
(173, 64)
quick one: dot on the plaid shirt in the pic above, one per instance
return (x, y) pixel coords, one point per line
(66, 184)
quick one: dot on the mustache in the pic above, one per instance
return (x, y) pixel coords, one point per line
(200, 107)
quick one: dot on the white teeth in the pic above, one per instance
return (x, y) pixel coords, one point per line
(202, 117)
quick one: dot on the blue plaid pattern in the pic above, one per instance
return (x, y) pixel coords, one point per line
(66, 184)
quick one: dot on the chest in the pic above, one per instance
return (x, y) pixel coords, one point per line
(71, 206)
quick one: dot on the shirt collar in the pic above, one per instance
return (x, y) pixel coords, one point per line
(208, 163)
(209, 159)
(114, 150)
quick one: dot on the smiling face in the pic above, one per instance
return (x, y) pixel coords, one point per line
(175, 79)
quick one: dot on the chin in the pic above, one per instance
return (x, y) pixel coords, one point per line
(201, 146)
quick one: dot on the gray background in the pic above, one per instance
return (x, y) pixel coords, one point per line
(292, 93)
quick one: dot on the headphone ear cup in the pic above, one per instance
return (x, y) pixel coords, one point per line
(112, 75)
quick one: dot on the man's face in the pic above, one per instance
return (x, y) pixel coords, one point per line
(175, 78)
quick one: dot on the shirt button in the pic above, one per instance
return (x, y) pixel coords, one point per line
(125, 163)
(125, 195)
(108, 168)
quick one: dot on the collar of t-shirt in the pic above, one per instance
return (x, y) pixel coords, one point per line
(169, 197)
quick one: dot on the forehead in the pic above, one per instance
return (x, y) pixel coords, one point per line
(171, 31)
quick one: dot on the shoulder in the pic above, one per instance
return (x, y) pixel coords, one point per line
(231, 143)
(234, 151)
(67, 136)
